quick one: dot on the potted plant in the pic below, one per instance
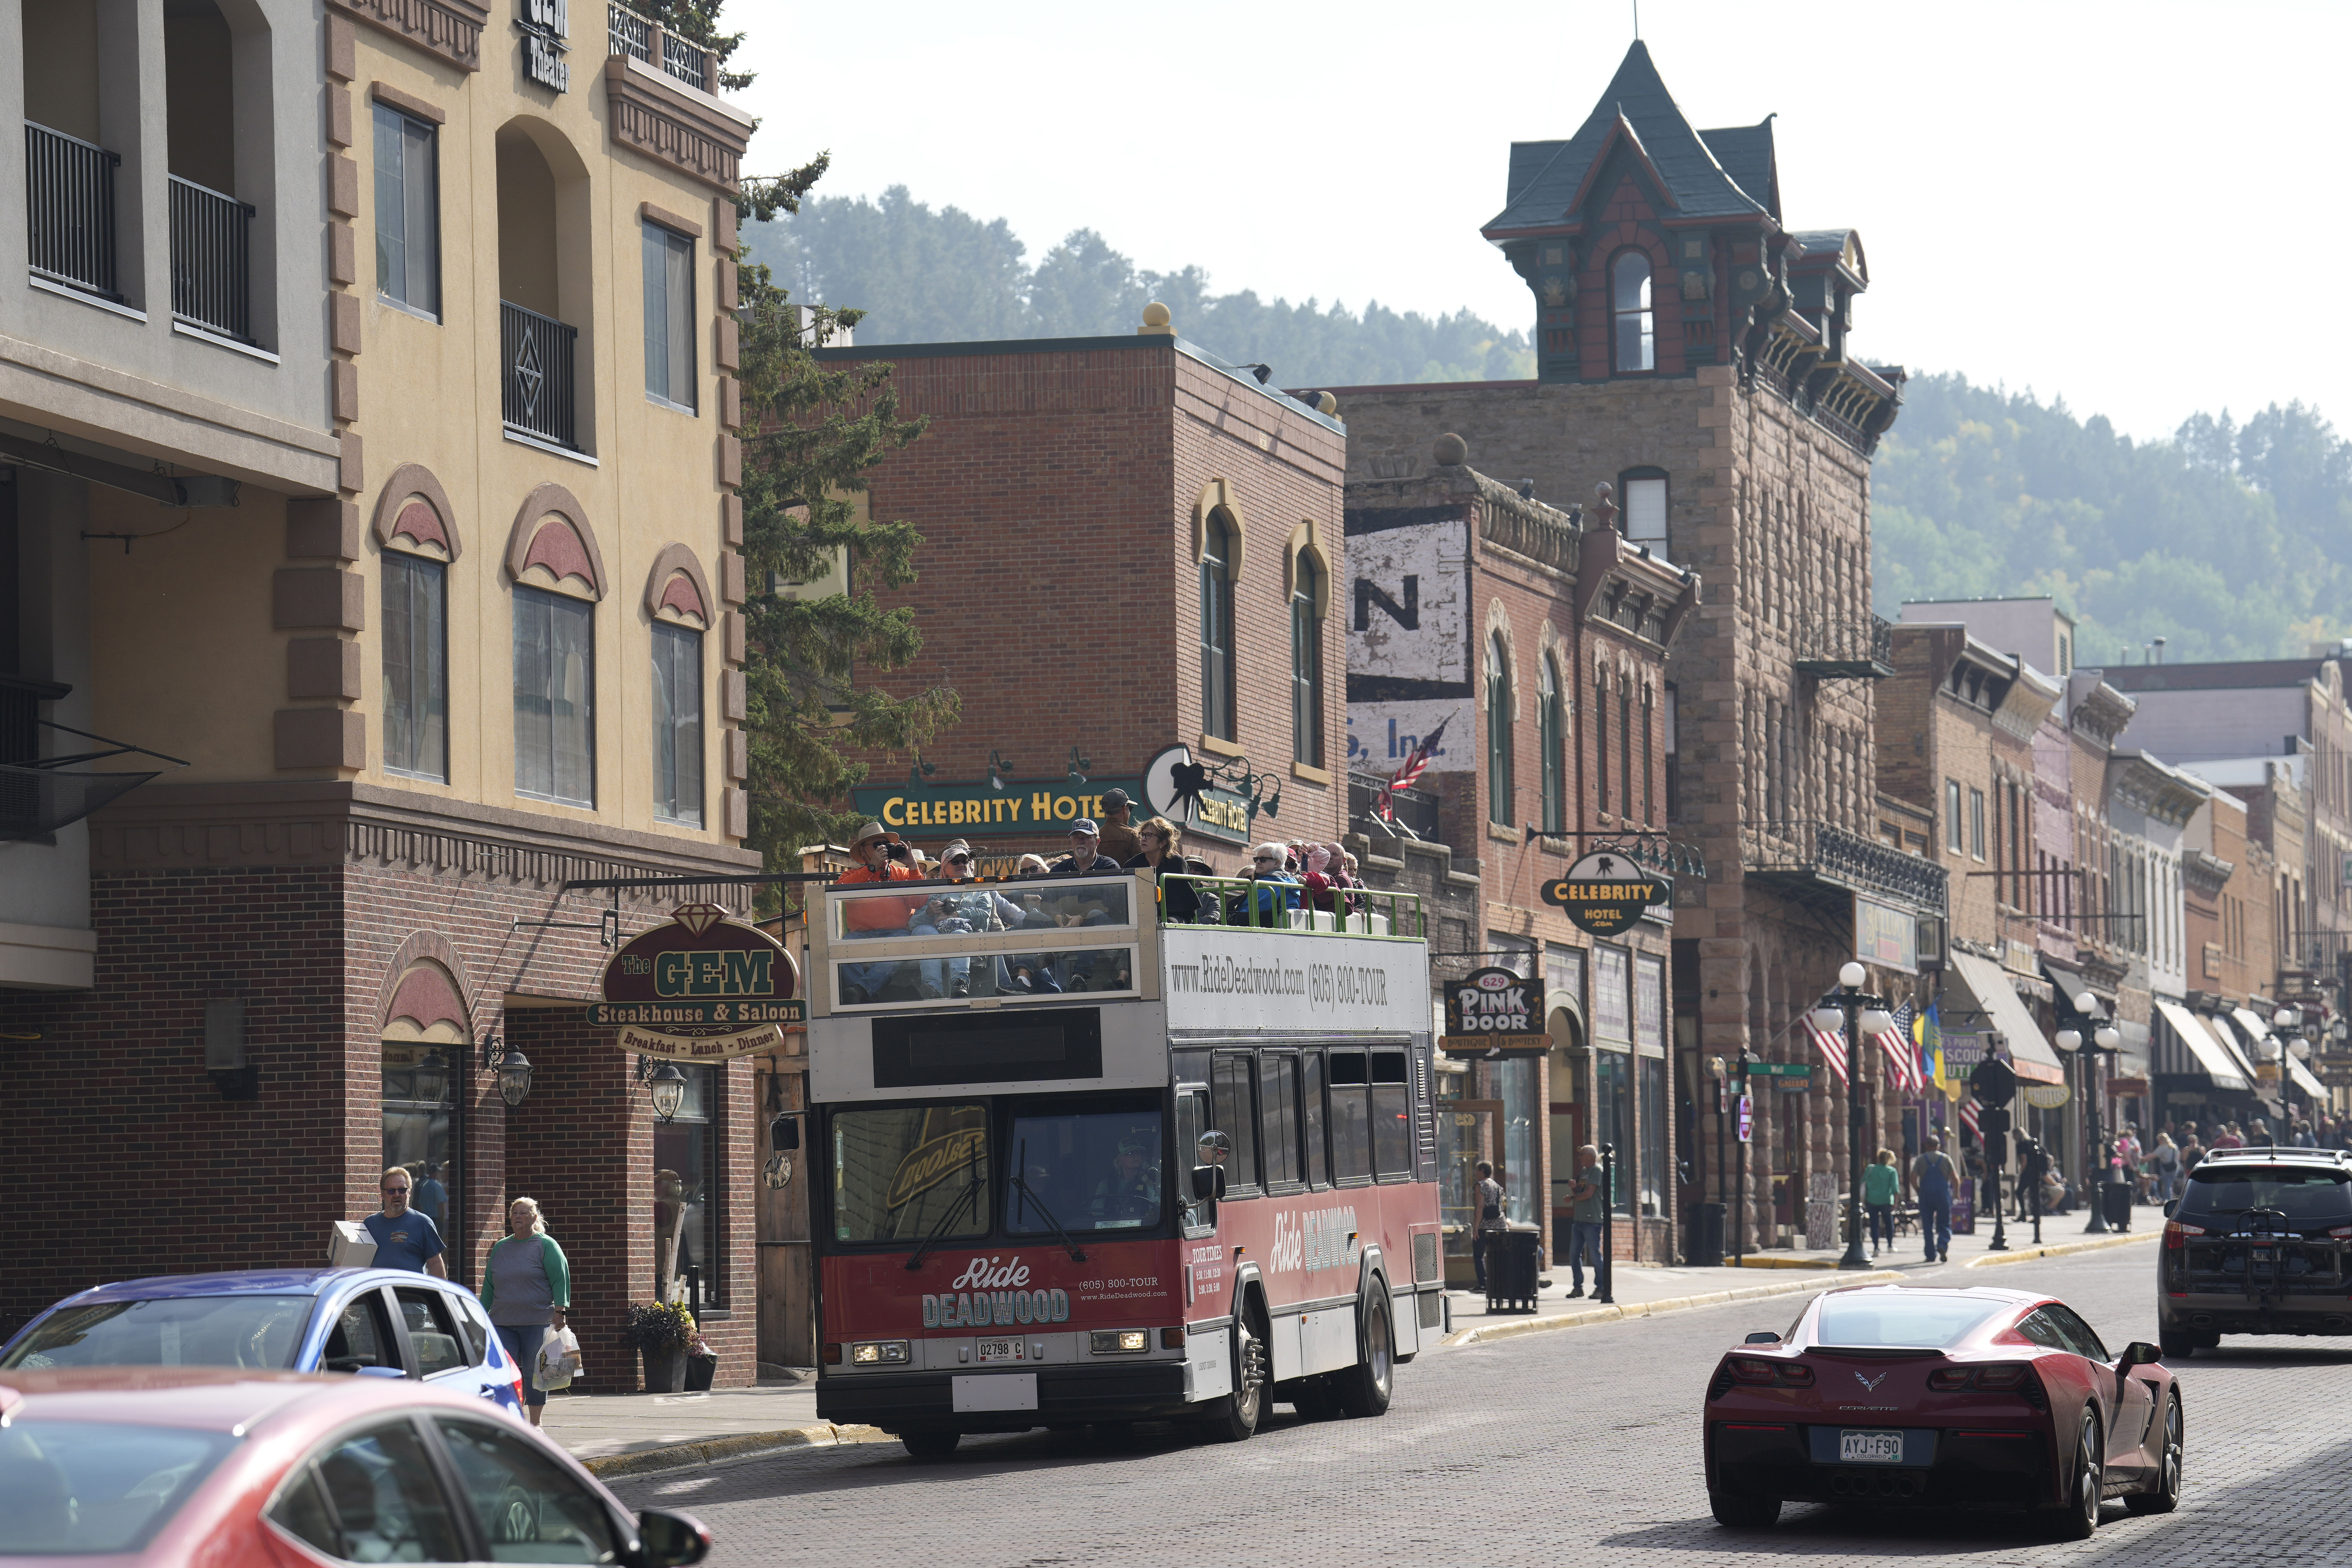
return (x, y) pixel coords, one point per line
(662, 1330)
(701, 1363)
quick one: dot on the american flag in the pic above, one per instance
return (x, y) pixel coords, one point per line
(1902, 1058)
(1969, 1109)
(1416, 763)
(1831, 1044)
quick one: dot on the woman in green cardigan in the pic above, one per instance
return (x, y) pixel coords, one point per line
(526, 1286)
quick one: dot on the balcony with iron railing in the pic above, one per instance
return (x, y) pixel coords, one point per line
(537, 355)
(1817, 862)
(644, 39)
(1849, 647)
(1413, 814)
(212, 260)
(69, 210)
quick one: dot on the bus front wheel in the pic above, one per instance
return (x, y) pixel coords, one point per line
(1236, 1415)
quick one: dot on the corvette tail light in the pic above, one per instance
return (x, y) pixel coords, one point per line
(2033, 1391)
(1796, 1374)
(1947, 1379)
(1751, 1371)
(2000, 1379)
(2176, 1234)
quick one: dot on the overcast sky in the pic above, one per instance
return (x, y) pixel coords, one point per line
(2138, 205)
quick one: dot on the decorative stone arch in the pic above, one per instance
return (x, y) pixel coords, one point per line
(1498, 624)
(1306, 545)
(1217, 495)
(552, 534)
(676, 590)
(425, 995)
(412, 506)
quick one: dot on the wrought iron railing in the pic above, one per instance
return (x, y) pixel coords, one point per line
(537, 390)
(1844, 640)
(1831, 854)
(212, 260)
(630, 34)
(1412, 814)
(69, 209)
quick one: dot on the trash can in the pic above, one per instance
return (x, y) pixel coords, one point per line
(1514, 1263)
(2116, 1203)
(1707, 1237)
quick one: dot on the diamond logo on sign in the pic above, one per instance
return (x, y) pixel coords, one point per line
(1495, 1012)
(1605, 892)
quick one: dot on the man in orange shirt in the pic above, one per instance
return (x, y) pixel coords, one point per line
(881, 857)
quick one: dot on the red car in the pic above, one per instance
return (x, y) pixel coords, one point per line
(1889, 1395)
(181, 1464)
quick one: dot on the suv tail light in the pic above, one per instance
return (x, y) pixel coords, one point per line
(2176, 1234)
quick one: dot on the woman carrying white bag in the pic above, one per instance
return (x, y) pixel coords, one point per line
(526, 1286)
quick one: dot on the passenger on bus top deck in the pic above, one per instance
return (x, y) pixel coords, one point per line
(881, 857)
(1263, 902)
(1120, 841)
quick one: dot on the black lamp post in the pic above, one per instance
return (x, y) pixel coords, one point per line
(1863, 1015)
(2102, 1039)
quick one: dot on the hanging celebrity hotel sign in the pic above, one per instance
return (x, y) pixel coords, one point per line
(700, 987)
(1493, 1010)
(1605, 893)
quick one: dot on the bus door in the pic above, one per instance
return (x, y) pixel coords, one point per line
(1466, 1133)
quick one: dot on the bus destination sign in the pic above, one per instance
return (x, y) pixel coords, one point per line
(1605, 892)
(700, 987)
(1494, 1010)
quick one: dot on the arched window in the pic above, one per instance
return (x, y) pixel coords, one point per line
(1217, 627)
(1600, 740)
(1628, 300)
(1305, 663)
(1498, 732)
(1551, 728)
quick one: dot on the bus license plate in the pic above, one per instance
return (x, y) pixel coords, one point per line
(1001, 1349)
(1870, 1448)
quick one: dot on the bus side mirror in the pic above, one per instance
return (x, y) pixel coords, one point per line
(1208, 1182)
(785, 1134)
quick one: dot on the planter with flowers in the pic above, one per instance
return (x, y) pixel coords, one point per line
(662, 1330)
(701, 1364)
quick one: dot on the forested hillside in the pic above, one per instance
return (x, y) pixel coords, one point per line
(927, 276)
(2230, 541)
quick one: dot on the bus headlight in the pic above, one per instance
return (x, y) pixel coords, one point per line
(1120, 1342)
(880, 1352)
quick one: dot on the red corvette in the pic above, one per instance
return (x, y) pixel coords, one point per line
(1888, 1395)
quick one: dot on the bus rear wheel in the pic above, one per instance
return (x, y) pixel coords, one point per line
(1364, 1388)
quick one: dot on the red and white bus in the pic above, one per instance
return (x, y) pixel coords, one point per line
(1077, 1162)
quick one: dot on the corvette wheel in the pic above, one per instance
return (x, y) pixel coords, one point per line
(2076, 1516)
(1743, 1511)
(2163, 1496)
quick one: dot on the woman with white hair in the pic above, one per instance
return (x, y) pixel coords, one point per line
(527, 1287)
(1267, 901)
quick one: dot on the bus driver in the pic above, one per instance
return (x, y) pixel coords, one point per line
(1130, 1194)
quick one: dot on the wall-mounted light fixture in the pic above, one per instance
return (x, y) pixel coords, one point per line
(511, 1066)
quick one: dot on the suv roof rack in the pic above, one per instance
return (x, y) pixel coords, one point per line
(2277, 1151)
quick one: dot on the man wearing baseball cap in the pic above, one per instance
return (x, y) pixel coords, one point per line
(1118, 840)
(881, 857)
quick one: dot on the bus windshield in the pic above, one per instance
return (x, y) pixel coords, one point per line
(1090, 1171)
(911, 1173)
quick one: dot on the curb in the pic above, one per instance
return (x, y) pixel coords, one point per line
(740, 1446)
(2060, 1249)
(1654, 1309)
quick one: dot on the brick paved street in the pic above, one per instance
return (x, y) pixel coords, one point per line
(1577, 1446)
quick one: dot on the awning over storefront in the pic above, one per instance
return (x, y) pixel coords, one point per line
(2307, 1081)
(2210, 1057)
(2236, 1043)
(2029, 1052)
(2132, 1059)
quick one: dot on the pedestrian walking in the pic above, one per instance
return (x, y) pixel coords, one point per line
(2164, 1162)
(405, 1238)
(1881, 1185)
(1586, 1214)
(1933, 1177)
(1488, 1200)
(527, 1287)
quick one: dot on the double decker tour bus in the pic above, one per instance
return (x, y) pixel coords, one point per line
(1081, 1163)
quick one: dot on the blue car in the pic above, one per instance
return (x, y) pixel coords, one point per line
(372, 1323)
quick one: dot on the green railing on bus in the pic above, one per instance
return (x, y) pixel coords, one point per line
(1284, 906)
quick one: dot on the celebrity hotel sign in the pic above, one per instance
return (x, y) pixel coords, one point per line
(700, 987)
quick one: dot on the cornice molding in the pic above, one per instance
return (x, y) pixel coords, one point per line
(446, 30)
(689, 132)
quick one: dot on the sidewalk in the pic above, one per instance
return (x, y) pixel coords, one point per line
(636, 1434)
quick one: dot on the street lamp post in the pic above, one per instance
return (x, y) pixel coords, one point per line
(1863, 1015)
(2104, 1040)
(1718, 1068)
(1740, 1214)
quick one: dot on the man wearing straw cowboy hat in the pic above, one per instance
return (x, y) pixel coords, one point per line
(881, 857)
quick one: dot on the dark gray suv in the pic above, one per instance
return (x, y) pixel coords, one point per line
(2259, 1242)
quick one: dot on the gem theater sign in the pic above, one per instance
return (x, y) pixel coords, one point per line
(700, 988)
(546, 30)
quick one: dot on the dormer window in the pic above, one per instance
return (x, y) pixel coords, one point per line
(1637, 323)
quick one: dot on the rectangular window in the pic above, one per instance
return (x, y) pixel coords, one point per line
(1601, 744)
(554, 697)
(1645, 513)
(1976, 824)
(1612, 1119)
(1653, 1136)
(1393, 1115)
(407, 211)
(1277, 1104)
(677, 724)
(1351, 1133)
(415, 668)
(687, 1191)
(1310, 1106)
(1952, 815)
(670, 318)
(1236, 1113)
(1649, 771)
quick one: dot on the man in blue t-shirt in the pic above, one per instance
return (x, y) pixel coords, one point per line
(405, 1238)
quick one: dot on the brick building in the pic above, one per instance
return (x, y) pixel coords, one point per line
(1129, 545)
(1694, 353)
(1537, 638)
(419, 662)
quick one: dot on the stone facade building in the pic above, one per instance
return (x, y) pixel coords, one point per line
(1694, 354)
(421, 661)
